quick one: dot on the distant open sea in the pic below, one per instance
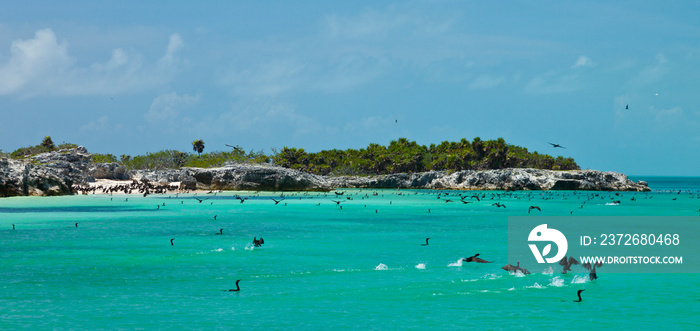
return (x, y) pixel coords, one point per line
(359, 267)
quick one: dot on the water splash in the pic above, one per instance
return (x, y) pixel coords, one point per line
(491, 276)
(579, 279)
(548, 271)
(420, 266)
(381, 266)
(456, 264)
(557, 282)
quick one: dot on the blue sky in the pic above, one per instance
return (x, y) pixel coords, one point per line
(131, 77)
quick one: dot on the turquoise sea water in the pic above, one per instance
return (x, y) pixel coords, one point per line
(359, 267)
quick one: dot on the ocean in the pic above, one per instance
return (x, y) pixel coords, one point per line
(362, 266)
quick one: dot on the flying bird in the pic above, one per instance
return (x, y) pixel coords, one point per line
(567, 263)
(533, 207)
(557, 145)
(475, 259)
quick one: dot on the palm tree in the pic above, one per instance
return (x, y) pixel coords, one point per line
(48, 143)
(198, 146)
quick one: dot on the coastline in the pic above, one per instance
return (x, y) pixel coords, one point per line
(66, 172)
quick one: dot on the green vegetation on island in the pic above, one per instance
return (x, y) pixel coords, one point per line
(407, 156)
(400, 156)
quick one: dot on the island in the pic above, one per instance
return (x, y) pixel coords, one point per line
(69, 171)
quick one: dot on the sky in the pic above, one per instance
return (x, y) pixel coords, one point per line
(615, 82)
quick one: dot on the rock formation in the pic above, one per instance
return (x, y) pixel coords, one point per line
(500, 179)
(56, 172)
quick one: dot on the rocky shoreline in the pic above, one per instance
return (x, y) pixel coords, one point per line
(58, 172)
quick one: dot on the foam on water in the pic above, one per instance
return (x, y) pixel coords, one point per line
(548, 271)
(420, 266)
(580, 279)
(491, 276)
(381, 266)
(456, 264)
(557, 282)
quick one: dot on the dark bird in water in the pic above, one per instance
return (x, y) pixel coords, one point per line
(498, 204)
(215, 217)
(237, 288)
(171, 242)
(579, 296)
(258, 242)
(276, 201)
(515, 269)
(593, 275)
(557, 145)
(567, 263)
(475, 259)
(76, 225)
(13, 226)
(426, 242)
(627, 107)
(533, 207)
(221, 231)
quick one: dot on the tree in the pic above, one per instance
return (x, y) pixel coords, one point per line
(48, 143)
(198, 146)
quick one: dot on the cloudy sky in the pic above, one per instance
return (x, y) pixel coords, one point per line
(130, 77)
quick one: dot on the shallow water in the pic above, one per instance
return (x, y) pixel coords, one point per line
(362, 266)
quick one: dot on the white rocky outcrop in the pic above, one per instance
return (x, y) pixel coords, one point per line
(55, 173)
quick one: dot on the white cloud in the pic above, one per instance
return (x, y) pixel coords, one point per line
(174, 46)
(119, 59)
(551, 82)
(43, 66)
(583, 61)
(262, 119)
(165, 108)
(665, 119)
(369, 125)
(485, 81)
(651, 73)
(35, 61)
(101, 125)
